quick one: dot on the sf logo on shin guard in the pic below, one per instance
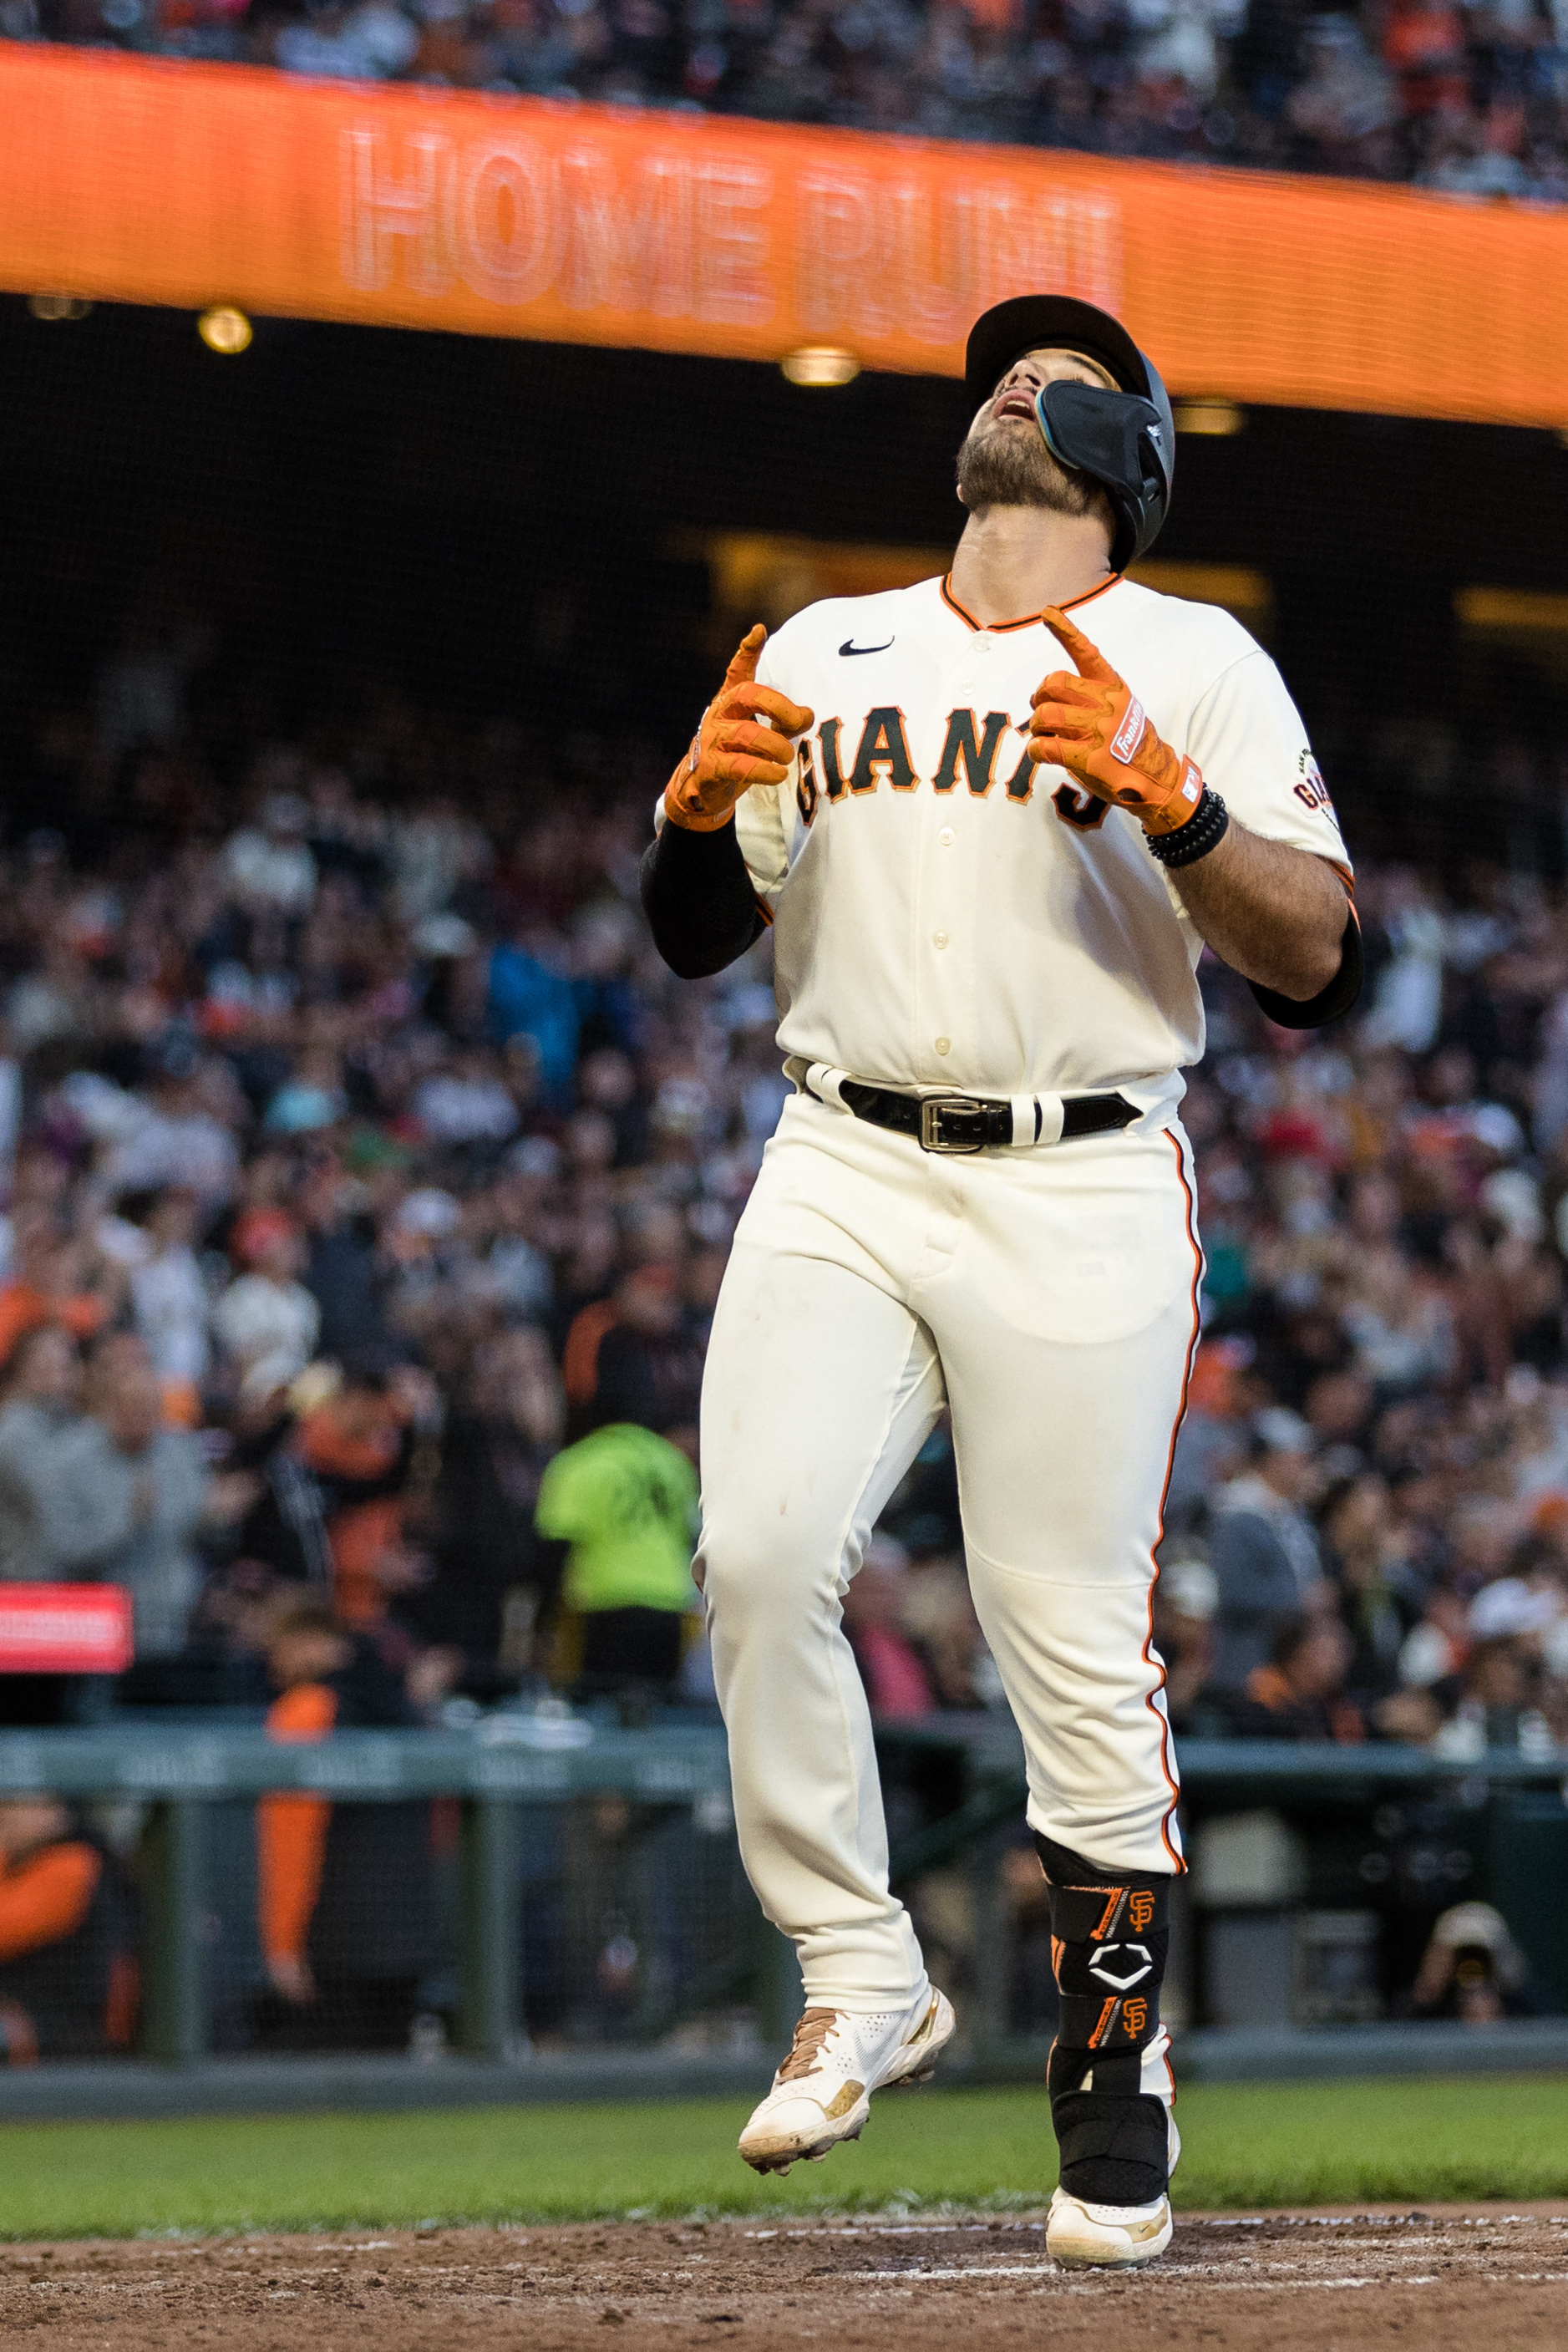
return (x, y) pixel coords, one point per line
(1121, 1965)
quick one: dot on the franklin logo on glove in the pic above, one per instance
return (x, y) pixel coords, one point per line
(1090, 722)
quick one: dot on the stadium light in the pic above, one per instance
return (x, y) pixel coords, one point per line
(1217, 418)
(820, 364)
(53, 307)
(224, 329)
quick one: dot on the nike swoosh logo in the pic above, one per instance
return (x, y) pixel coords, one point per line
(849, 647)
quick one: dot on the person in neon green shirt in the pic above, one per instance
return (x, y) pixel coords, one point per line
(624, 1501)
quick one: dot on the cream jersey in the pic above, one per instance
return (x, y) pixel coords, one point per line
(946, 915)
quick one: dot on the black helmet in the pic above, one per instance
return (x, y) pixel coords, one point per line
(1125, 440)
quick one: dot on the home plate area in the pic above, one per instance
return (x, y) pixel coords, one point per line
(1449, 2279)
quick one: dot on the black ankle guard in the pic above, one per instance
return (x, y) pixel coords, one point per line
(1109, 1938)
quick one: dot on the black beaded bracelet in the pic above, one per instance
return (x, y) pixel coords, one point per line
(1204, 828)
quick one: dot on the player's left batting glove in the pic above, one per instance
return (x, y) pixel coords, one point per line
(730, 752)
(1090, 722)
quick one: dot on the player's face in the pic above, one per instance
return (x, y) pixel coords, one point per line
(1013, 399)
(1004, 460)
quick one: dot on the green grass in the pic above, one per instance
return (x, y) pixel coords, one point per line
(1246, 2146)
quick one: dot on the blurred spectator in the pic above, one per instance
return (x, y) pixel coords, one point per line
(1186, 1600)
(1500, 1683)
(269, 863)
(125, 1497)
(266, 1320)
(359, 1444)
(341, 1270)
(529, 1001)
(634, 1357)
(53, 1279)
(1379, 1599)
(1300, 1692)
(494, 1578)
(39, 1414)
(68, 1976)
(1264, 1549)
(1473, 1969)
(1214, 1440)
(173, 1133)
(169, 1302)
(622, 1504)
(466, 1105)
(344, 1898)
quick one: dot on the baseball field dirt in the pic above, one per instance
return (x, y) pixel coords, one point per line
(1448, 2280)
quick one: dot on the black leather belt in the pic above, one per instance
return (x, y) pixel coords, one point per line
(961, 1123)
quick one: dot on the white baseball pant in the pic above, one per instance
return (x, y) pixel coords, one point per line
(1049, 1296)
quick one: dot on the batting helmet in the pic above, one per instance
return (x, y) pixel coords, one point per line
(1125, 440)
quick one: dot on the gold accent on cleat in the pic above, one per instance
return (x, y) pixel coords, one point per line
(770, 2146)
(1080, 2237)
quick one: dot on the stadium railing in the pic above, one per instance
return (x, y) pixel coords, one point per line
(1280, 1835)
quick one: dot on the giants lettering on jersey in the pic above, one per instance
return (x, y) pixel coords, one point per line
(969, 746)
(928, 934)
(977, 758)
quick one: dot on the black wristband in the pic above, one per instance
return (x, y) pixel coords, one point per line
(1203, 829)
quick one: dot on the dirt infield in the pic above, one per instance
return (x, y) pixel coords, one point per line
(1445, 2282)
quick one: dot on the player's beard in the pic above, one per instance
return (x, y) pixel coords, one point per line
(1000, 467)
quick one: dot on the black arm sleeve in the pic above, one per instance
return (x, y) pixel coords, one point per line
(1330, 1002)
(698, 899)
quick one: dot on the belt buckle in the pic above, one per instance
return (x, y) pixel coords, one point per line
(935, 1109)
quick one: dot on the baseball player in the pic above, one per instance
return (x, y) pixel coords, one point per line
(992, 821)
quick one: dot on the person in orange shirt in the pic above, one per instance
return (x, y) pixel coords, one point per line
(633, 1357)
(1424, 41)
(360, 1444)
(344, 1898)
(69, 1979)
(53, 1281)
(1300, 1693)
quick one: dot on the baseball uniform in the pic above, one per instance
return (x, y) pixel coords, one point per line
(949, 917)
(953, 922)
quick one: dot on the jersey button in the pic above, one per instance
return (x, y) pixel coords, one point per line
(946, 836)
(944, 1044)
(939, 939)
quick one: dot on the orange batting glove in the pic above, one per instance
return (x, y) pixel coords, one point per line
(1092, 724)
(730, 752)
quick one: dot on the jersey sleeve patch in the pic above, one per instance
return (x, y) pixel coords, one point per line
(1248, 737)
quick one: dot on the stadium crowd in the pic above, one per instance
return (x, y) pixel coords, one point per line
(1472, 98)
(368, 1183)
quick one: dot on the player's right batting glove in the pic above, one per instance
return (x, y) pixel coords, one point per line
(730, 752)
(1092, 724)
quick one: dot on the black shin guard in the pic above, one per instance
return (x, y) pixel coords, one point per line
(1109, 1938)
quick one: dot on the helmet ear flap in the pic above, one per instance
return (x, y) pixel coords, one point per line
(1120, 440)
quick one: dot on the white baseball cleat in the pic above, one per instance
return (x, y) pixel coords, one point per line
(1109, 2236)
(821, 2094)
(1081, 2236)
